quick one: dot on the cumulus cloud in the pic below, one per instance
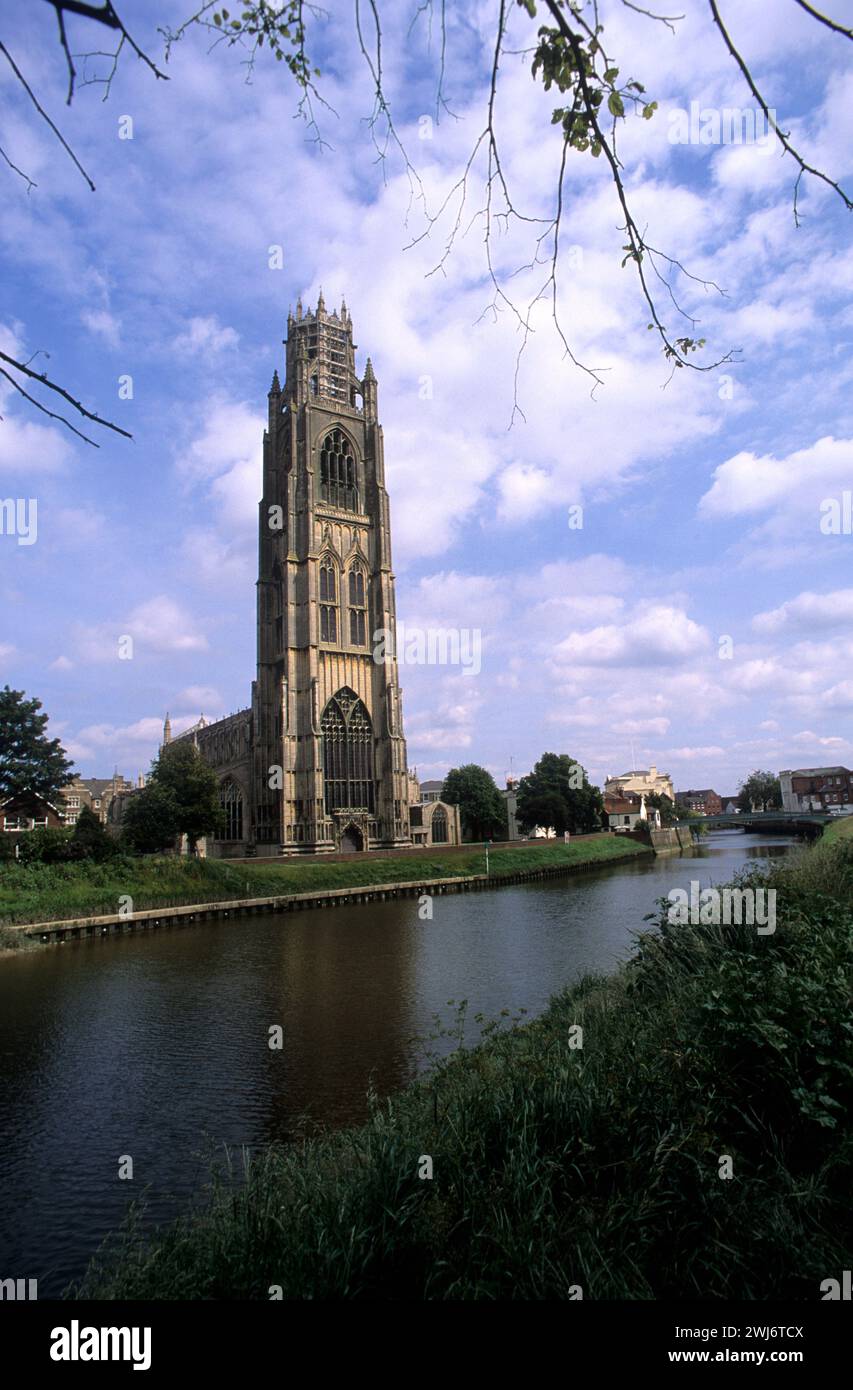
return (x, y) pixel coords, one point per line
(205, 334)
(807, 612)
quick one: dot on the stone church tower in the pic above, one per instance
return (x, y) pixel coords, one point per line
(328, 752)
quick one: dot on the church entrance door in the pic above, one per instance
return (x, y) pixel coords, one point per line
(352, 840)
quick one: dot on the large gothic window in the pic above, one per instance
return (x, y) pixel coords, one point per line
(347, 754)
(357, 609)
(328, 601)
(338, 478)
(231, 801)
(439, 827)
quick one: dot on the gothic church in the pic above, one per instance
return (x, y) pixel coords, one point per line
(318, 762)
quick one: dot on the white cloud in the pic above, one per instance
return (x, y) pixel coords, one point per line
(807, 612)
(205, 335)
(103, 324)
(655, 635)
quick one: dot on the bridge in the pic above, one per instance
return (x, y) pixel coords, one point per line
(775, 822)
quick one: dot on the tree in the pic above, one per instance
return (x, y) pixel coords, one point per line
(572, 803)
(760, 789)
(90, 840)
(660, 802)
(481, 806)
(150, 820)
(181, 771)
(569, 54)
(29, 760)
(47, 845)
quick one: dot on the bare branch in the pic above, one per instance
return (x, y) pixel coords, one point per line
(768, 116)
(30, 93)
(106, 15)
(31, 183)
(636, 248)
(824, 19)
(60, 391)
(670, 20)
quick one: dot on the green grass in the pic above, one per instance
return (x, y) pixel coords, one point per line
(50, 892)
(557, 1166)
(840, 829)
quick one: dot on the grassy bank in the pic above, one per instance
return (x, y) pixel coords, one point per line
(556, 1166)
(47, 892)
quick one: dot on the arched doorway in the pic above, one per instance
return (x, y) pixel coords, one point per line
(352, 840)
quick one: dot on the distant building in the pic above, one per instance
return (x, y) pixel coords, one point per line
(817, 789)
(28, 811)
(623, 812)
(98, 793)
(706, 802)
(642, 782)
(435, 823)
(432, 821)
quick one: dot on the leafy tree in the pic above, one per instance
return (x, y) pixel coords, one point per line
(47, 845)
(661, 802)
(760, 789)
(150, 820)
(90, 840)
(29, 760)
(569, 54)
(481, 806)
(181, 771)
(573, 803)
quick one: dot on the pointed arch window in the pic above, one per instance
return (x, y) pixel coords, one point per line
(231, 802)
(357, 607)
(439, 827)
(347, 754)
(328, 600)
(338, 473)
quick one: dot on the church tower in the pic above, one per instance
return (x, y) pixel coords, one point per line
(329, 753)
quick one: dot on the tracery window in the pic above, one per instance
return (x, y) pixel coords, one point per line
(338, 474)
(231, 801)
(357, 609)
(439, 828)
(347, 754)
(328, 601)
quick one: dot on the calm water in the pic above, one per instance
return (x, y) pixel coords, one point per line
(156, 1046)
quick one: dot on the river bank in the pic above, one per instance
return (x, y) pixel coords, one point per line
(557, 1169)
(67, 898)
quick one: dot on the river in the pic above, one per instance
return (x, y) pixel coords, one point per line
(156, 1046)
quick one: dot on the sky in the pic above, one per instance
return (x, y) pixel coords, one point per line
(653, 567)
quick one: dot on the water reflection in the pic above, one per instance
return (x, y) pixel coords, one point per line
(150, 1045)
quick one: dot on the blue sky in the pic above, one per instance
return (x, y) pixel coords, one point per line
(701, 499)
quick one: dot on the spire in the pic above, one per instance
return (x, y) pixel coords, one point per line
(321, 303)
(167, 729)
(299, 307)
(343, 309)
(368, 371)
(275, 389)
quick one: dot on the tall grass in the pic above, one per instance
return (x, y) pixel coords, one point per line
(557, 1167)
(49, 892)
